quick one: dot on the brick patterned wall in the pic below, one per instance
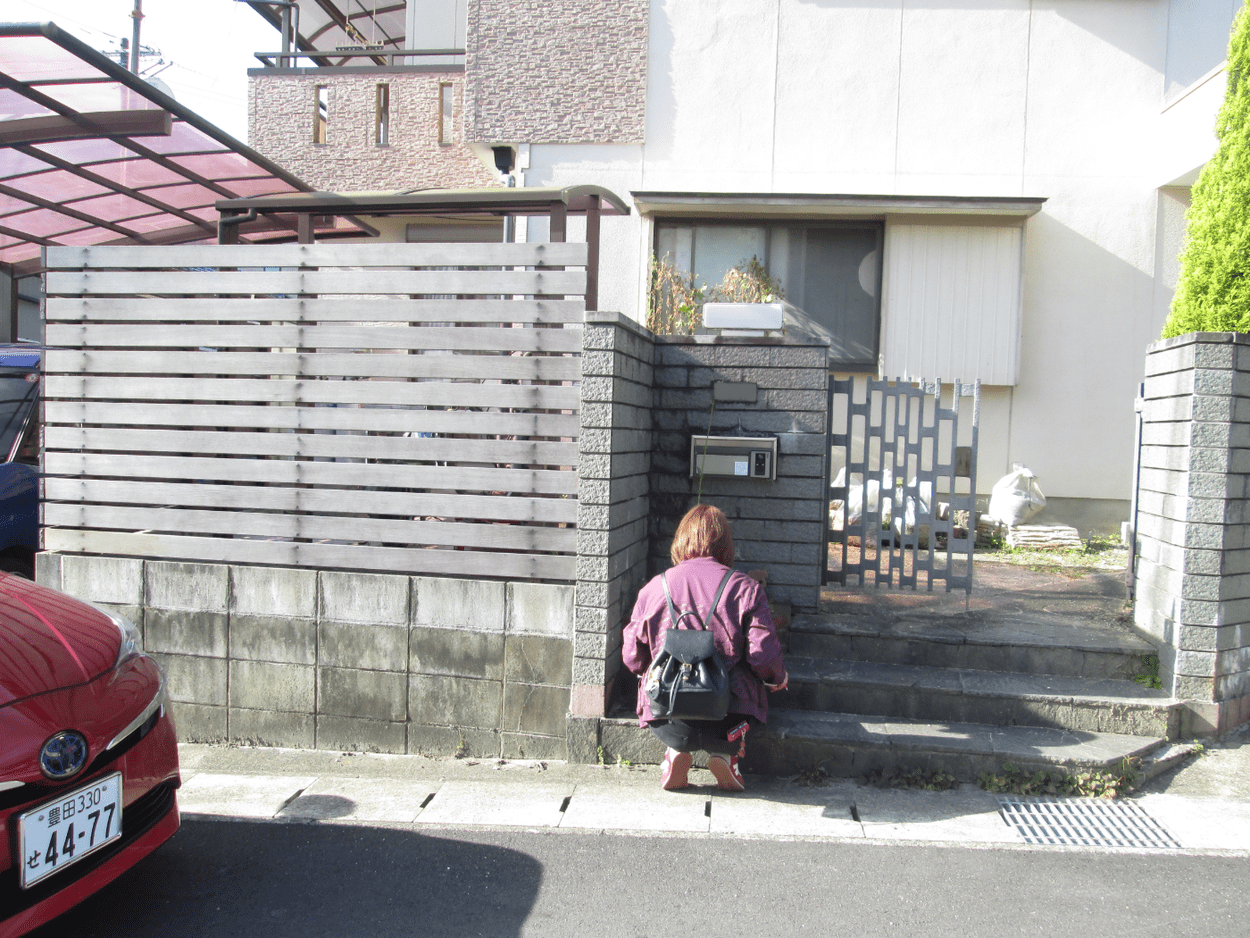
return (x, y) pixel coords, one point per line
(557, 71)
(1193, 569)
(778, 526)
(280, 115)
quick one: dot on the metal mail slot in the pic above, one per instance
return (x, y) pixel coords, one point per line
(741, 457)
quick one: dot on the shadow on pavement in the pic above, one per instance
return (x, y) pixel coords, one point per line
(274, 880)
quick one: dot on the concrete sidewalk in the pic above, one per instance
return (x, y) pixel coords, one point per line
(1202, 806)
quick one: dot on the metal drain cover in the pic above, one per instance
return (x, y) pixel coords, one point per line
(1084, 822)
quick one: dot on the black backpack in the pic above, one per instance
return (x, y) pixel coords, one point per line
(688, 679)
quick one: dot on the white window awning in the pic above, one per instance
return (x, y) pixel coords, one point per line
(782, 205)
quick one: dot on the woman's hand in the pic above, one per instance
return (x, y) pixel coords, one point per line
(773, 688)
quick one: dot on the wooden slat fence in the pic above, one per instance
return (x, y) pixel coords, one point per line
(386, 407)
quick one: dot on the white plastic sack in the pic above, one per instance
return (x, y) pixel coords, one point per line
(1015, 498)
(924, 491)
(855, 497)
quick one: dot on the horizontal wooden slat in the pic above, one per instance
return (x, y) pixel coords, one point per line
(557, 253)
(304, 472)
(391, 420)
(550, 510)
(307, 526)
(311, 445)
(311, 310)
(459, 563)
(278, 390)
(312, 364)
(181, 335)
(332, 282)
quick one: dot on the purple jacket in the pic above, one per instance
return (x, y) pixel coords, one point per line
(743, 626)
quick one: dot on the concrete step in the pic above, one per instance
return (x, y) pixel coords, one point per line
(900, 691)
(846, 745)
(1018, 642)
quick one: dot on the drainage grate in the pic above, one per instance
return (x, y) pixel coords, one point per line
(1084, 822)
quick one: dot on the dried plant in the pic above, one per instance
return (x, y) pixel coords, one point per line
(675, 298)
(675, 301)
(749, 282)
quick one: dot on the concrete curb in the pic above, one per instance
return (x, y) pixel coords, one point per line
(305, 786)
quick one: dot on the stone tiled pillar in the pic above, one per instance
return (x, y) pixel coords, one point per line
(613, 501)
(1193, 568)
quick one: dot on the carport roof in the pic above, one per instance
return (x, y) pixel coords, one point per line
(92, 154)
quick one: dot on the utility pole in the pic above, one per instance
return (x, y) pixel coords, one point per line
(137, 15)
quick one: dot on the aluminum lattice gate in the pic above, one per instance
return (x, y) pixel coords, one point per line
(903, 508)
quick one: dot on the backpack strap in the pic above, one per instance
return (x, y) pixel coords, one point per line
(672, 609)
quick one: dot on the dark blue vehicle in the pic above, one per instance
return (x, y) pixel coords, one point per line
(19, 445)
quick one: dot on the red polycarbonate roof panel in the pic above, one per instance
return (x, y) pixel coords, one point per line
(57, 186)
(35, 58)
(90, 150)
(14, 163)
(105, 96)
(14, 105)
(136, 174)
(161, 221)
(9, 205)
(112, 208)
(224, 165)
(89, 235)
(191, 168)
(42, 223)
(182, 139)
(19, 252)
(188, 196)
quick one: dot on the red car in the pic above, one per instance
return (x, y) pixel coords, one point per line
(88, 755)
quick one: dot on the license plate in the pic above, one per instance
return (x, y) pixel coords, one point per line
(61, 832)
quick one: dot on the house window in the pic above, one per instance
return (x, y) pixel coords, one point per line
(829, 272)
(321, 115)
(446, 111)
(382, 116)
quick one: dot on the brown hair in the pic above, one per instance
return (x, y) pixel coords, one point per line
(704, 532)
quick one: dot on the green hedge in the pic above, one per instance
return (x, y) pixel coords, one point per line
(1213, 294)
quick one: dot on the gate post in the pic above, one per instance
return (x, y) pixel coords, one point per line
(612, 509)
(1193, 581)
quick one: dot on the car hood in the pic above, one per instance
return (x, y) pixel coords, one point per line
(49, 640)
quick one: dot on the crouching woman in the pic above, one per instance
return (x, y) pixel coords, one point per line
(702, 551)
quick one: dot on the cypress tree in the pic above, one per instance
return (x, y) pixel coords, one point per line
(1213, 294)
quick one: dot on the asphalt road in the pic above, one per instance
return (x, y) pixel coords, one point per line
(219, 878)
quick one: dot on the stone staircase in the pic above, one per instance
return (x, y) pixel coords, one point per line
(961, 694)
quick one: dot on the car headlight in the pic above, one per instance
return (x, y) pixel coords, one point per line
(132, 641)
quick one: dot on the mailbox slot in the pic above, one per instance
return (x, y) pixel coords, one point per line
(730, 457)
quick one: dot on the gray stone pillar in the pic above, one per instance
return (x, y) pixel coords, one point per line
(1193, 568)
(613, 504)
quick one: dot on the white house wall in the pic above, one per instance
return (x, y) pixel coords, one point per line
(977, 98)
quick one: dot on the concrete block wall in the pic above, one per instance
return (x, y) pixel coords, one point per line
(778, 526)
(348, 661)
(556, 71)
(1193, 568)
(613, 501)
(280, 123)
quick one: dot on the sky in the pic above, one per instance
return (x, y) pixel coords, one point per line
(206, 46)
